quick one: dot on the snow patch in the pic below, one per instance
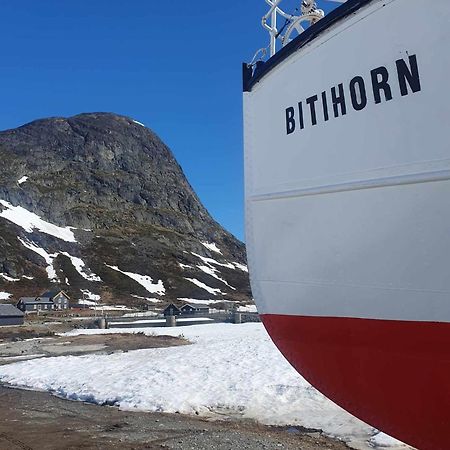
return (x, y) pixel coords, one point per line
(87, 302)
(211, 290)
(141, 314)
(144, 280)
(30, 221)
(247, 308)
(8, 278)
(185, 266)
(80, 267)
(78, 263)
(194, 301)
(139, 123)
(22, 180)
(151, 300)
(99, 307)
(211, 246)
(213, 261)
(212, 271)
(27, 277)
(228, 265)
(88, 295)
(4, 295)
(240, 266)
(381, 440)
(51, 273)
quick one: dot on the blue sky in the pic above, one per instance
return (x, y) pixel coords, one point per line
(175, 68)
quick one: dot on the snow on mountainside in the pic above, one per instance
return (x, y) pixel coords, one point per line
(96, 203)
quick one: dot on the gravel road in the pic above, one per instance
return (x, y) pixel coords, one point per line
(39, 421)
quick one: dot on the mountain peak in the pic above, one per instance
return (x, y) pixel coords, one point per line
(109, 174)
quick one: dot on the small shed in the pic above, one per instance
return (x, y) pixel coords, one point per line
(172, 310)
(10, 315)
(59, 298)
(194, 309)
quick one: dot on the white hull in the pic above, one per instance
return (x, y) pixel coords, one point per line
(350, 217)
(347, 165)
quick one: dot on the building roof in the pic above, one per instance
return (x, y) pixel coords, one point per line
(51, 294)
(37, 300)
(27, 299)
(7, 310)
(173, 307)
(195, 306)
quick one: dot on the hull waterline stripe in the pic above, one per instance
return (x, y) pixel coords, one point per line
(416, 178)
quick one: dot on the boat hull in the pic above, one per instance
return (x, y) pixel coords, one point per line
(347, 166)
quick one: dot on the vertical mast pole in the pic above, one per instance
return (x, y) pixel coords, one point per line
(274, 31)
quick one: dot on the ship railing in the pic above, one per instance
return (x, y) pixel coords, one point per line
(294, 24)
(309, 13)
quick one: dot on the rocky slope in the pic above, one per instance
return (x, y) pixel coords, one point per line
(97, 203)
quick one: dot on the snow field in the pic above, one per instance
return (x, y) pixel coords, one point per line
(230, 369)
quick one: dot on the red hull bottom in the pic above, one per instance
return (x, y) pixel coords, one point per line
(393, 375)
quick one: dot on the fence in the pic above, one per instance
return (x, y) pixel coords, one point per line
(140, 321)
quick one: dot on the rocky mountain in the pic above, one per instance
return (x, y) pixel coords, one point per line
(97, 205)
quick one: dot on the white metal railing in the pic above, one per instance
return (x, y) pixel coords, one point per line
(294, 24)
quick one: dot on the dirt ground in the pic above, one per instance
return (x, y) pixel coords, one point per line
(39, 421)
(11, 351)
(43, 327)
